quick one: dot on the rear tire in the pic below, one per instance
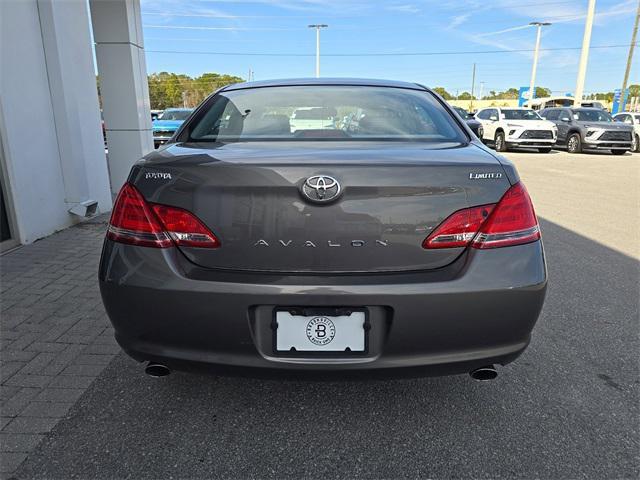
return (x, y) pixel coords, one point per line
(618, 152)
(635, 145)
(544, 150)
(574, 144)
(498, 142)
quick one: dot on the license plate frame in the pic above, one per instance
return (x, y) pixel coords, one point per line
(309, 313)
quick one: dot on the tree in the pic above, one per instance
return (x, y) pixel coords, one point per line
(443, 93)
(542, 92)
(513, 93)
(465, 96)
(176, 90)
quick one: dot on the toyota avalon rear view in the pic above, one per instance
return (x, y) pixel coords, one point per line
(324, 226)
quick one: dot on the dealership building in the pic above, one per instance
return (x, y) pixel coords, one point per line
(54, 168)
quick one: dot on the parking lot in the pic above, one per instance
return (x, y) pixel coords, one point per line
(73, 407)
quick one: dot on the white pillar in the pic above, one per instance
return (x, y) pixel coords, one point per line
(584, 55)
(67, 49)
(52, 157)
(117, 32)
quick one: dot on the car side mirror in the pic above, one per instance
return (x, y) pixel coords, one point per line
(493, 118)
(565, 119)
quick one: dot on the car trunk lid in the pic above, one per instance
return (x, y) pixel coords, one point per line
(251, 196)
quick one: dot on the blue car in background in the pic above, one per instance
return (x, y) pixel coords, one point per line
(167, 124)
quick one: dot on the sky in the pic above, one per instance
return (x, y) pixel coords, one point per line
(380, 39)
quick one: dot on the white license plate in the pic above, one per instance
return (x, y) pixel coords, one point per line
(320, 333)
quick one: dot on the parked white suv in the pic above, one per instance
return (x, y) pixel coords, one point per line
(633, 119)
(516, 127)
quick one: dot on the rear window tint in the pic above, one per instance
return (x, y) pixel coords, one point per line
(326, 112)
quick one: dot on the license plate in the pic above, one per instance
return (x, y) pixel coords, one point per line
(320, 333)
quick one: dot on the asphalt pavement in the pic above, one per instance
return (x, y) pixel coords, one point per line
(567, 408)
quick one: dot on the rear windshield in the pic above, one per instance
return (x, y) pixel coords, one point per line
(592, 116)
(520, 115)
(309, 113)
(175, 115)
(461, 111)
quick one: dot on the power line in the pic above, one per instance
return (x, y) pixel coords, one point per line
(503, 5)
(381, 54)
(554, 18)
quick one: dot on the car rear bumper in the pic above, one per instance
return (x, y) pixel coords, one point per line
(477, 311)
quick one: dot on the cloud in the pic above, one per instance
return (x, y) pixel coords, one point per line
(458, 20)
(405, 8)
(504, 30)
(566, 12)
(556, 13)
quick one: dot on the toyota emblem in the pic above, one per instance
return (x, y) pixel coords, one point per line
(321, 188)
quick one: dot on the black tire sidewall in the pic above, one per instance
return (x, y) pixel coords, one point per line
(578, 148)
(503, 146)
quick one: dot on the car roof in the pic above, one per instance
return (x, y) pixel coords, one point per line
(289, 82)
(585, 109)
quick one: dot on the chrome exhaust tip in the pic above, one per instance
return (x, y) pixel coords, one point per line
(156, 370)
(484, 374)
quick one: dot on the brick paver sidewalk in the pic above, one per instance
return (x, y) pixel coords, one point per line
(55, 335)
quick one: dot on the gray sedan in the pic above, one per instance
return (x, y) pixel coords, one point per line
(402, 245)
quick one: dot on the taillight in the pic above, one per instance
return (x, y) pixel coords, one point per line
(184, 228)
(136, 222)
(512, 221)
(133, 221)
(459, 228)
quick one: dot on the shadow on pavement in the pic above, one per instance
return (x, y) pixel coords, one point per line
(567, 408)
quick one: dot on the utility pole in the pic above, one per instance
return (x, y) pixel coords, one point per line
(629, 59)
(473, 86)
(481, 88)
(318, 26)
(584, 56)
(532, 83)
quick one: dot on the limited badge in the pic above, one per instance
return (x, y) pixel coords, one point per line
(320, 330)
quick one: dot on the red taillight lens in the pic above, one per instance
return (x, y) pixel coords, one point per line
(136, 222)
(512, 221)
(184, 228)
(133, 222)
(458, 229)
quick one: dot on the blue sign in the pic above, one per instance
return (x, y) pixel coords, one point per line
(523, 95)
(618, 103)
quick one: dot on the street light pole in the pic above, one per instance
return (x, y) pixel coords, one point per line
(629, 59)
(532, 83)
(318, 27)
(584, 56)
(473, 86)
